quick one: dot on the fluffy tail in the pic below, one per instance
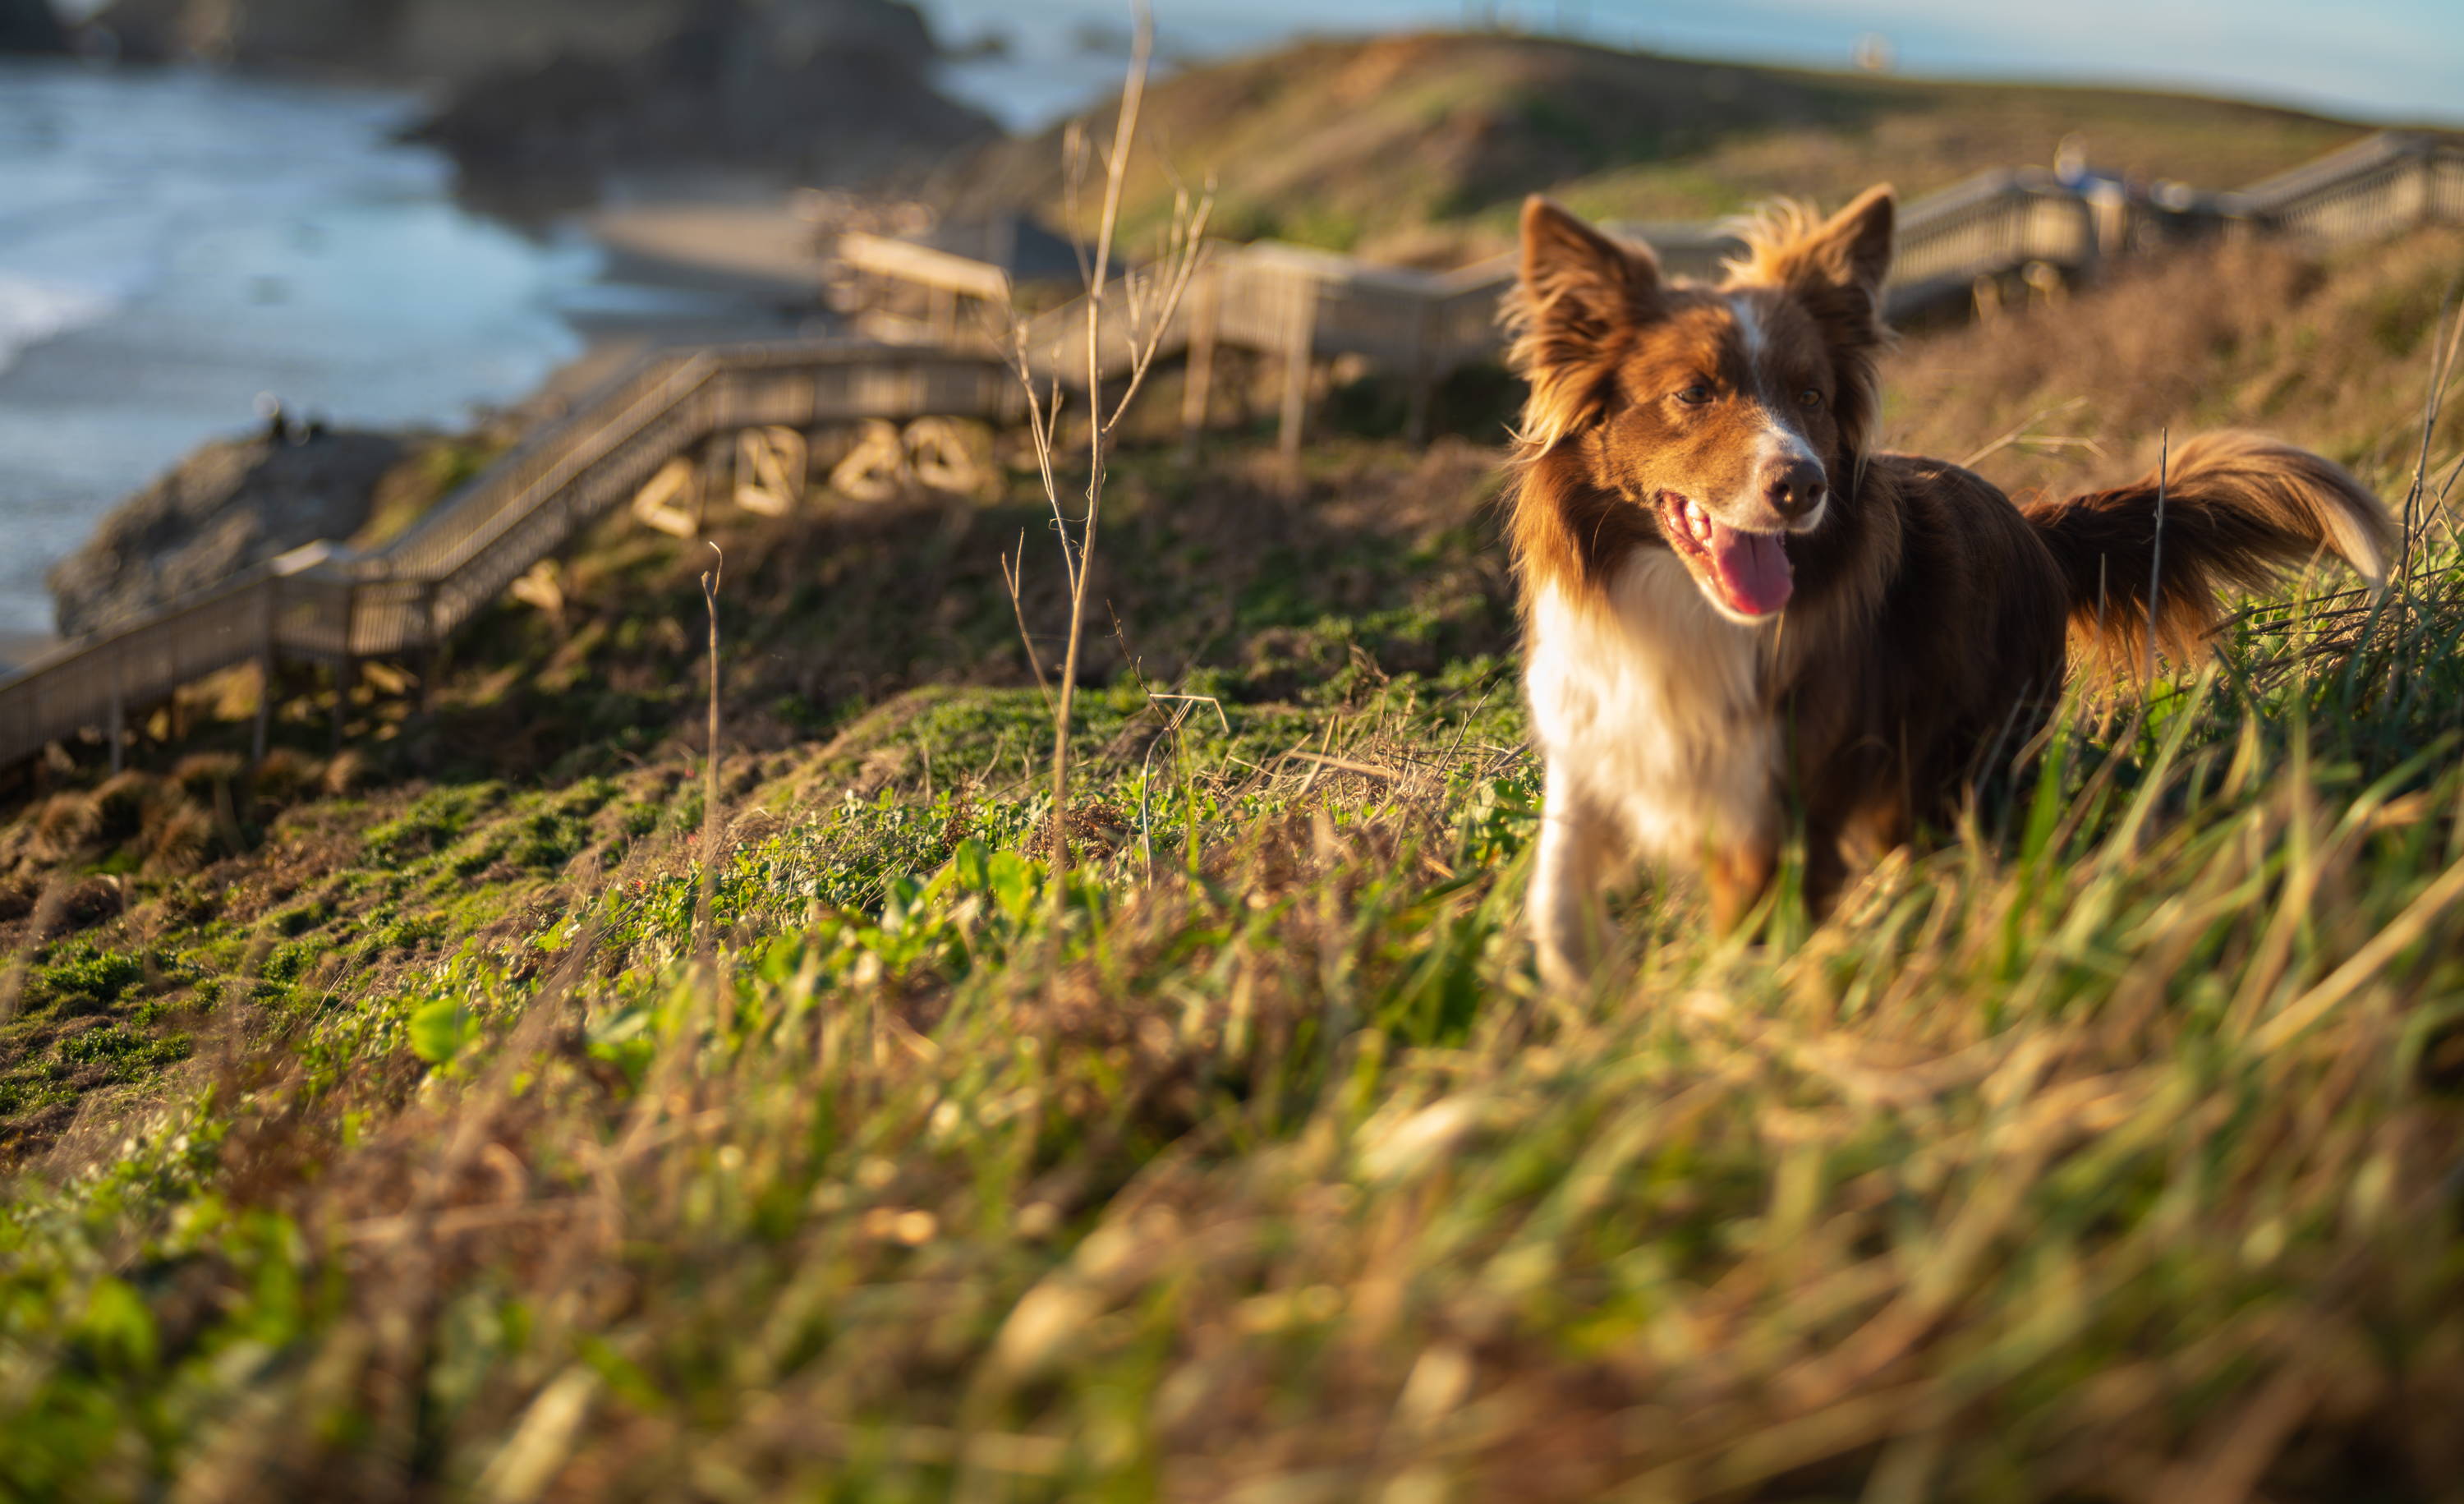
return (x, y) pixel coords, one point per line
(2238, 511)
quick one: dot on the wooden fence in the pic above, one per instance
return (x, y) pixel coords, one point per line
(325, 604)
(2375, 187)
(1305, 305)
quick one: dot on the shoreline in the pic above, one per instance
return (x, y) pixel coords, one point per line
(266, 240)
(671, 271)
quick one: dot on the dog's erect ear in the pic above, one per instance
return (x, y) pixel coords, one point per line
(1578, 285)
(1578, 289)
(1834, 270)
(1837, 267)
(1853, 247)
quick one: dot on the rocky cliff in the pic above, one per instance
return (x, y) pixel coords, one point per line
(833, 92)
(223, 508)
(417, 41)
(830, 91)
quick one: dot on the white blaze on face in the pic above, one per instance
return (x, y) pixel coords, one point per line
(1779, 442)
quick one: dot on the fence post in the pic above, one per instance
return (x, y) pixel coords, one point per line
(347, 665)
(712, 477)
(2109, 216)
(1199, 377)
(346, 678)
(266, 670)
(262, 723)
(1300, 335)
(1425, 377)
(431, 663)
(119, 717)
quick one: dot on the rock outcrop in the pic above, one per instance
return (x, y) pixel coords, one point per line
(829, 91)
(832, 92)
(411, 41)
(224, 507)
(31, 26)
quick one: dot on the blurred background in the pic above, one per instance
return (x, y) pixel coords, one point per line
(399, 215)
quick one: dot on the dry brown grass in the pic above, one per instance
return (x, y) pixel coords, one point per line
(2325, 350)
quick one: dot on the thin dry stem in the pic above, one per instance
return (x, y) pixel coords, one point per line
(710, 819)
(1150, 303)
(2024, 432)
(1011, 569)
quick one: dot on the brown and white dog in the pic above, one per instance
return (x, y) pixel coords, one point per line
(1735, 610)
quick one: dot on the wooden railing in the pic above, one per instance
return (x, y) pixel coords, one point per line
(1288, 299)
(2375, 187)
(1994, 223)
(323, 603)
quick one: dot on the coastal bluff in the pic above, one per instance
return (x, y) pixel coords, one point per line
(829, 91)
(454, 41)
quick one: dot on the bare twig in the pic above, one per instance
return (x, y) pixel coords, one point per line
(1011, 568)
(1184, 248)
(2024, 433)
(710, 817)
(1149, 301)
(1347, 765)
(2442, 363)
(1125, 126)
(2156, 555)
(1200, 699)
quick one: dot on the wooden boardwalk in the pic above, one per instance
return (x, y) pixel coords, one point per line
(323, 604)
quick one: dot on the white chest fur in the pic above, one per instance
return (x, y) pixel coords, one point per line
(1650, 713)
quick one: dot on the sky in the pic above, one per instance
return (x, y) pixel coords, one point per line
(2383, 61)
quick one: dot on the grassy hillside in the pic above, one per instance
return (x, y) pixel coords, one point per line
(418, 1125)
(1420, 147)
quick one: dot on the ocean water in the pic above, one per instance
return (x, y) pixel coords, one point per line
(174, 244)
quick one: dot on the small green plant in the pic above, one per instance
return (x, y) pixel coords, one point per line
(127, 1054)
(82, 978)
(432, 822)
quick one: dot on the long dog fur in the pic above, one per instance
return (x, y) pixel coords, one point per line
(1735, 608)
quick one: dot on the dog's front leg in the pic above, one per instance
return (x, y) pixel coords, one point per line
(1739, 876)
(1578, 847)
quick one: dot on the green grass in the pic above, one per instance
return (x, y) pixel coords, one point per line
(2113, 1138)
(443, 1143)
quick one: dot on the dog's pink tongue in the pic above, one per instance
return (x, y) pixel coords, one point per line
(1752, 568)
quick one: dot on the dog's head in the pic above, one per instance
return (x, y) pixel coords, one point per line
(1728, 421)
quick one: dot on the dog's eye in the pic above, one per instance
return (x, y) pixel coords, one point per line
(1809, 398)
(1695, 396)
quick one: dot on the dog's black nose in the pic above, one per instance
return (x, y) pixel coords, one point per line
(1794, 487)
